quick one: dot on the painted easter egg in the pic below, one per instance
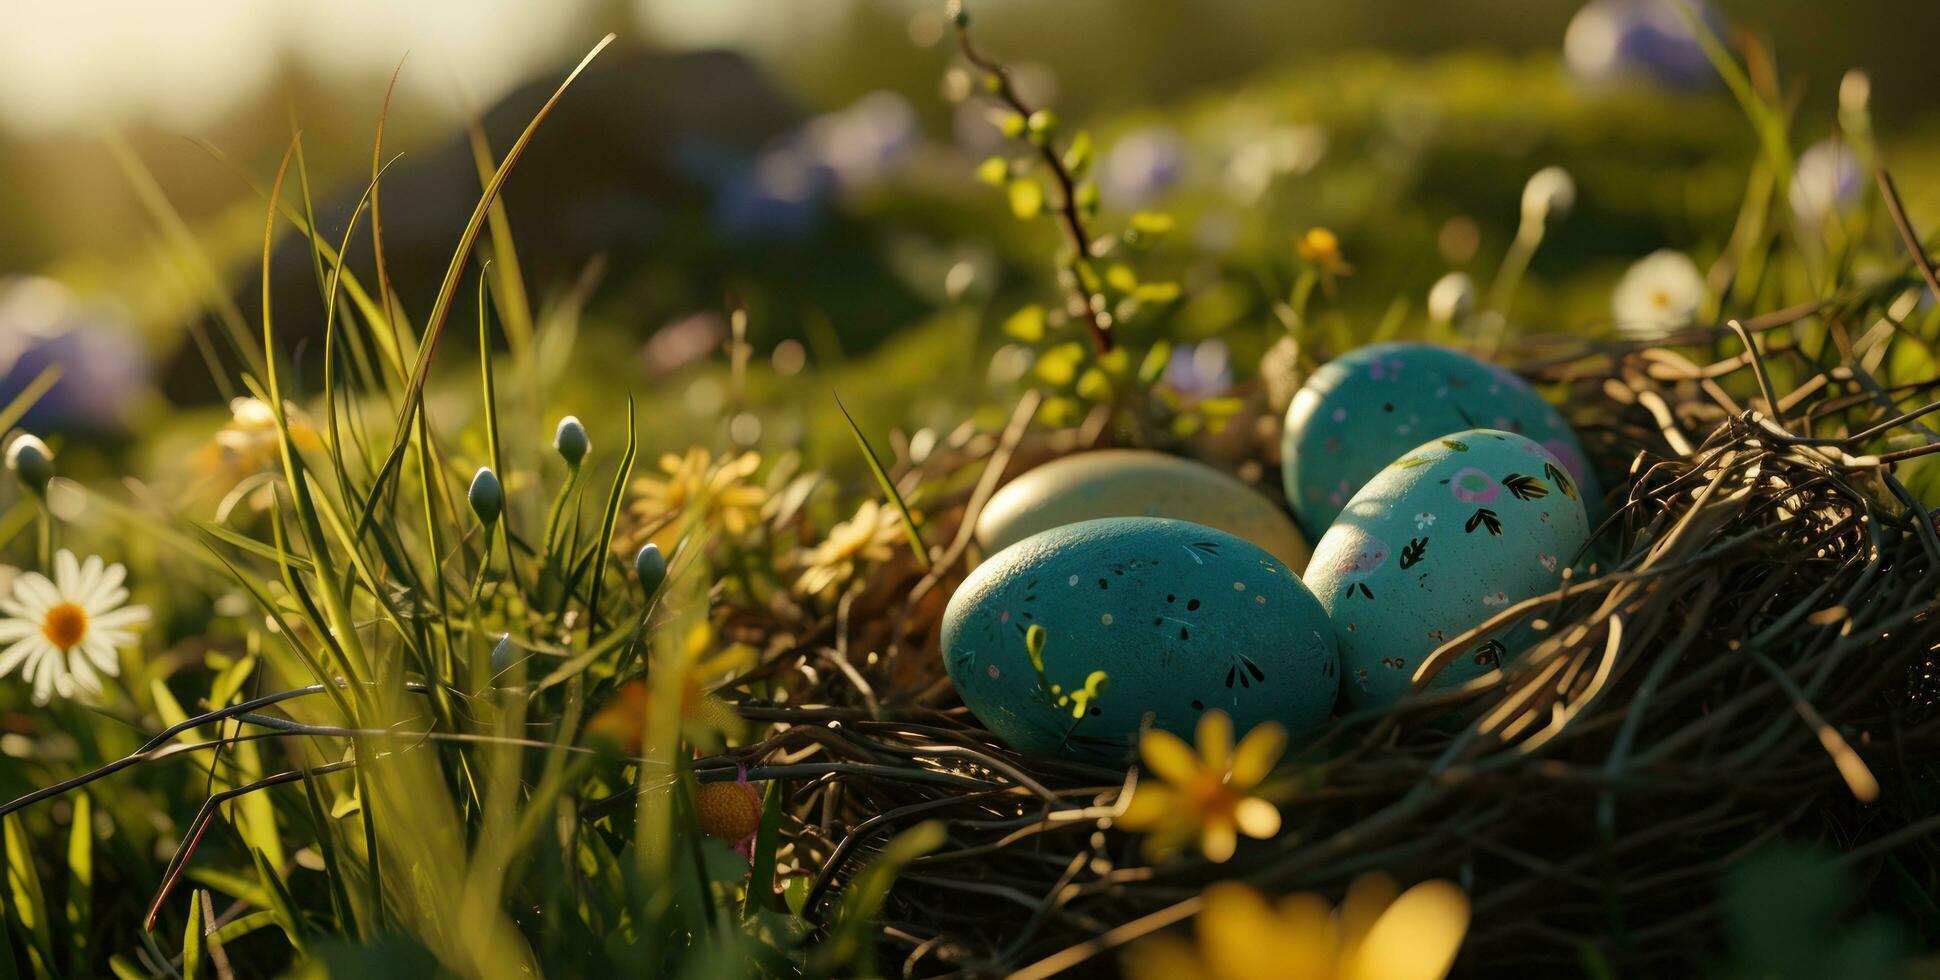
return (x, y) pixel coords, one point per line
(1137, 483)
(1437, 543)
(1364, 409)
(1141, 616)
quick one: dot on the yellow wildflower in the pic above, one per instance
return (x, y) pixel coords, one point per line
(869, 536)
(1320, 248)
(1374, 935)
(247, 447)
(696, 487)
(704, 718)
(1207, 794)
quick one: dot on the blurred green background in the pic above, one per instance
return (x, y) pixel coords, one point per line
(812, 161)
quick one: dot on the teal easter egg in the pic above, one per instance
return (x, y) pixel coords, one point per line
(1436, 544)
(1137, 483)
(1181, 619)
(1361, 411)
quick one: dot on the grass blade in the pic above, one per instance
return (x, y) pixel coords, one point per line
(24, 402)
(888, 488)
(441, 307)
(80, 885)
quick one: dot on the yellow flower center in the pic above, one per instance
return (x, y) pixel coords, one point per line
(65, 625)
(1661, 299)
(1208, 791)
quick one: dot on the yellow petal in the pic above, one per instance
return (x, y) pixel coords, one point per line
(1257, 818)
(1216, 741)
(1167, 756)
(1416, 938)
(1150, 804)
(1218, 839)
(1257, 754)
(1233, 930)
(1306, 940)
(1163, 958)
(1368, 897)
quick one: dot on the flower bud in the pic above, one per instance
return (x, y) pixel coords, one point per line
(1549, 196)
(504, 654)
(1451, 298)
(571, 441)
(487, 496)
(651, 568)
(32, 463)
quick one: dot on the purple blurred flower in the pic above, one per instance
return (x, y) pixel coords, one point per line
(1142, 165)
(1200, 369)
(866, 140)
(782, 196)
(1615, 40)
(103, 364)
(1828, 179)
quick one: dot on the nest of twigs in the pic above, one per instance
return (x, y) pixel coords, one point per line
(1754, 666)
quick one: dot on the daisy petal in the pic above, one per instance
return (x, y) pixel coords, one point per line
(118, 618)
(101, 653)
(67, 572)
(14, 629)
(81, 674)
(13, 655)
(111, 579)
(90, 578)
(45, 669)
(35, 592)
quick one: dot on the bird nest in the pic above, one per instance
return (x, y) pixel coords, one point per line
(1752, 665)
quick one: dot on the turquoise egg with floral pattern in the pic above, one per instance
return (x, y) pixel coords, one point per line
(1364, 409)
(1142, 618)
(1436, 544)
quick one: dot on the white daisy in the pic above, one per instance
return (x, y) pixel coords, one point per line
(1661, 293)
(66, 631)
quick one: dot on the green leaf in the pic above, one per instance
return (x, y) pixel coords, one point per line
(1152, 368)
(1026, 324)
(1077, 156)
(281, 902)
(192, 939)
(888, 486)
(28, 905)
(761, 871)
(1026, 198)
(80, 882)
(852, 942)
(994, 171)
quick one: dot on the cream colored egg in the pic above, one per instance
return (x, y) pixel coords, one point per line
(1137, 483)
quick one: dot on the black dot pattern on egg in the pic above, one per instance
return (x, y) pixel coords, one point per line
(1229, 628)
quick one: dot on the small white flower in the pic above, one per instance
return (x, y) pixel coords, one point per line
(1660, 293)
(1451, 298)
(1549, 196)
(1424, 521)
(1828, 179)
(66, 631)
